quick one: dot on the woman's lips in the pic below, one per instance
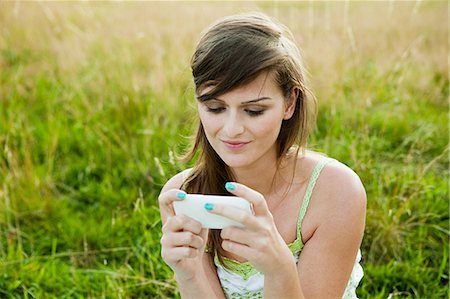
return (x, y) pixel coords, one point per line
(234, 144)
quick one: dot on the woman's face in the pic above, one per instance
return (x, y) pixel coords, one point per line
(243, 124)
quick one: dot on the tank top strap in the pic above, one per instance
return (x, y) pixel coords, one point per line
(312, 182)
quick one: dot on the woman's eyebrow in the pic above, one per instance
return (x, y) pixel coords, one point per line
(257, 100)
(246, 102)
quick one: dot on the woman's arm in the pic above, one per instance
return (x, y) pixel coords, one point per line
(328, 257)
(204, 285)
(183, 243)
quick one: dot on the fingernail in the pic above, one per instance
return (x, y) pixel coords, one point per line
(209, 206)
(230, 186)
(181, 195)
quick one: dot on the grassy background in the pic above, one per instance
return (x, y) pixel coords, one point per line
(96, 100)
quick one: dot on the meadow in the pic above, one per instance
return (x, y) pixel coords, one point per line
(97, 102)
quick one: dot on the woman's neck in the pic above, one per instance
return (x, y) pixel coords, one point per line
(267, 177)
(258, 177)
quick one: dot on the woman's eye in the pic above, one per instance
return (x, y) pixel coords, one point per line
(255, 112)
(251, 112)
(215, 109)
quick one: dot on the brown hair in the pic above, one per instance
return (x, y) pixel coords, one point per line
(232, 53)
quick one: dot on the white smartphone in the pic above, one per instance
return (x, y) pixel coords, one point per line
(194, 206)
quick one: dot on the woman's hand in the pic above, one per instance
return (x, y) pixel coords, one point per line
(259, 241)
(183, 240)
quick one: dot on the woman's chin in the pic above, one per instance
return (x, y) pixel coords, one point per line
(237, 163)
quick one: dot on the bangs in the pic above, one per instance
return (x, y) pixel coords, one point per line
(232, 61)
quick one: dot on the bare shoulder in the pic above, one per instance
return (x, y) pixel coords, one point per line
(342, 180)
(174, 182)
(341, 191)
(337, 206)
(338, 187)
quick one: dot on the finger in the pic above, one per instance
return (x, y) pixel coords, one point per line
(255, 198)
(233, 213)
(238, 249)
(166, 199)
(204, 233)
(182, 239)
(178, 253)
(182, 223)
(238, 235)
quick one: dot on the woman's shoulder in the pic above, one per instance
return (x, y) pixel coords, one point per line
(337, 180)
(176, 181)
(339, 199)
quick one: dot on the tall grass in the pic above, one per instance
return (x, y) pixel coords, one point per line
(96, 101)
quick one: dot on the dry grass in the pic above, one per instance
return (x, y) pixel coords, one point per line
(158, 38)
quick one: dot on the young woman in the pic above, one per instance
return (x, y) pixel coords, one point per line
(302, 239)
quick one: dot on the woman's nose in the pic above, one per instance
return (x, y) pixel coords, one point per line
(233, 125)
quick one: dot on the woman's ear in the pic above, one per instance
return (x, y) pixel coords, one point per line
(290, 108)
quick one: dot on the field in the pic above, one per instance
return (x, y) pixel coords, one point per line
(96, 103)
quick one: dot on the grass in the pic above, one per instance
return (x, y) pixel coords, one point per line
(96, 100)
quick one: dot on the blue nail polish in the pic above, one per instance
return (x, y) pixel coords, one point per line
(209, 206)
(181, 195)
(230, 186)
